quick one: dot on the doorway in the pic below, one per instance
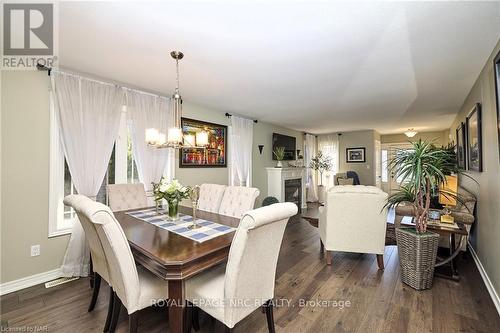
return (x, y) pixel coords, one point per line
(391, 183)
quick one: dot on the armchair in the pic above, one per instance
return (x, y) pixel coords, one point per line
(354, 220)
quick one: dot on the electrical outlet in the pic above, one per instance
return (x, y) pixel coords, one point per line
(35, 250)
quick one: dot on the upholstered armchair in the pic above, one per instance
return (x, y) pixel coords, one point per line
(237, 200)
(346, 178)
(354, 220)
(126, 196)
(211, 197)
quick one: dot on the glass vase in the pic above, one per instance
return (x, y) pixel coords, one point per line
(173, 210)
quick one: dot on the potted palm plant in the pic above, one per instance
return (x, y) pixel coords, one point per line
(421, 170)
(321, 164)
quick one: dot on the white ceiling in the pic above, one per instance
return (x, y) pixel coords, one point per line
(316, 67)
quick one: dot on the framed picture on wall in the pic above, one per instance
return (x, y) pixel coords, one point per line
(205, 144)
(474, 142)
(496, 71)
(355, 155)
(461, 147)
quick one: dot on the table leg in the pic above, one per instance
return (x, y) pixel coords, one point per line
(453, 261)
(176, 306)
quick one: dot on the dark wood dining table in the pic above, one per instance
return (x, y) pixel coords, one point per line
(173, 257)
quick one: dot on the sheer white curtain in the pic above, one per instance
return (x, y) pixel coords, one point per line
(89, 115)
(329, 145)
(147, 111)
(309, 153)
(241, 140)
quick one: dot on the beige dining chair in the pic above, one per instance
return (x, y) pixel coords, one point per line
(126, 196)
(99, 264)
(229, 293)
(237, 200)
(211, 197)
(135, 288)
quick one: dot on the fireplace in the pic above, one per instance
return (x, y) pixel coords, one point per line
(287, 185)
(293, 191)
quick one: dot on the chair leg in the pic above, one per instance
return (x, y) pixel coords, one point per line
(380, 261)
(329, 257)
(110, 310)
(95, 293)
(91, 273)
(117, 305)
(133, 322)
(270, 316)
(321, 247)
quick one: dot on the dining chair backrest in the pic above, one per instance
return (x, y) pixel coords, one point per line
(237, 200)
(121, 263)
(253, 256)
(99, 264)
(211, 197)
(126, 196)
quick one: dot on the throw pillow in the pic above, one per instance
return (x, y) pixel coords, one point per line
(345, 181)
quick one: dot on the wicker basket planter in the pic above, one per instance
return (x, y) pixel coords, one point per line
(417, 256)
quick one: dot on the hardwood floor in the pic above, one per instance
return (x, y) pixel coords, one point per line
(379, 302)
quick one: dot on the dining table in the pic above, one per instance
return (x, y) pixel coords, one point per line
(173, 257)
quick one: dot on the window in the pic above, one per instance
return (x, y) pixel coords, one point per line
(121, 169)
(329, 146)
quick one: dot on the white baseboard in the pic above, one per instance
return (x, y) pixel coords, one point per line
(486, 279)
(29, 281)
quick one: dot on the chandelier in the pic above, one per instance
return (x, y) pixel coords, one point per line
(174, 137)
(411, 133)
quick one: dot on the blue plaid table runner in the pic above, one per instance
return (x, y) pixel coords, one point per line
(207, 230)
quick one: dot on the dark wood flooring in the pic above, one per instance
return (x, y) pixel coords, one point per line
(379, 302)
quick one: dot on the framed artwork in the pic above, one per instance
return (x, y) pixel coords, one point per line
(212, 153)
(355, 155)
(461, 147)
(496, 71)
(474, 148)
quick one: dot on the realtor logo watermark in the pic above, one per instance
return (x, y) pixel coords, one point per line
(28, 35)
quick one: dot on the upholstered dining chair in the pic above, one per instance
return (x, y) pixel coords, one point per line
(126, 196)
(211, 197)
(135, 288)
(237, 200)
(100, 266)
(354, 220)
(229, 293)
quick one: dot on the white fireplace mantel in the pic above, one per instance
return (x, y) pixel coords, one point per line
(276, 182)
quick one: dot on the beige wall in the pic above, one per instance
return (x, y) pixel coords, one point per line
(25, 177)
(366, 171)
(262, 135)
(25, 171)
(440, 138)
(486, 237)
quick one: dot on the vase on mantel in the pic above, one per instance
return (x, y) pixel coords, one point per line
(279, 164)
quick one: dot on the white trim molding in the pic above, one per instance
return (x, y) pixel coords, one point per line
(486, 279)
(29, 281)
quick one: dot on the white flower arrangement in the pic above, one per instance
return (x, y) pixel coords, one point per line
(170, 191)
